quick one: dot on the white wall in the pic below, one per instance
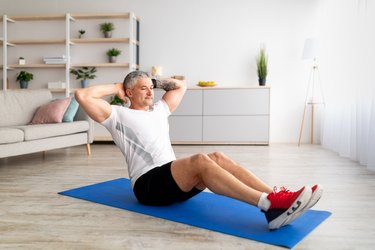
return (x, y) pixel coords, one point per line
(216, 40)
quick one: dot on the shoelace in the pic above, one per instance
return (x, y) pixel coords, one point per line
(281, 198)
(282, 190)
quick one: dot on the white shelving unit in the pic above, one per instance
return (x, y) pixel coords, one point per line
(5, 43)
(67, 41)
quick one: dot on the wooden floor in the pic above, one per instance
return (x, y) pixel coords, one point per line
(34, 216)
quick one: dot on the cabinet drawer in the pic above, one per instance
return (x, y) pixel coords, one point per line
(236, 102)
(253, 129)
(185, 128)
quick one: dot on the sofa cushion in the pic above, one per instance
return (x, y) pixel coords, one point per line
(71, 110)
(40, 131)
(51, 112)
(11, 135)
(18, 106)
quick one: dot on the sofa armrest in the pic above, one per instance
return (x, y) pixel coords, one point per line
(82, 116)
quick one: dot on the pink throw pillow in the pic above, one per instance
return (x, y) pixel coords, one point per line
(52, 112)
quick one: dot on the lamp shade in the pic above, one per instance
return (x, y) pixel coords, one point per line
(311, 49)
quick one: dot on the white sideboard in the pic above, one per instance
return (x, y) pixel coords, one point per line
(221, 116)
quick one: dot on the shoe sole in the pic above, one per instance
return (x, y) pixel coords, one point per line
(292, 212)
(315, 197)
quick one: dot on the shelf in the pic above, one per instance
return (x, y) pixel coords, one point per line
(31, 66)
(37, 18)
(101, 65)
(8, 43)
(101, 15)
(37, 41)
(100, 40)
(8, 19)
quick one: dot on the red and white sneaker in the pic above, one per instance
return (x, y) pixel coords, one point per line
(317, 192)
(286, 206)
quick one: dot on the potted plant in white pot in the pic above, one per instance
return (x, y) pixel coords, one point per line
(24, 78)
(112, 54)
(84, 74)
(21, 61)
(262, 61)
(107, 28)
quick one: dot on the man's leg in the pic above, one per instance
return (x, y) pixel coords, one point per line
(240, 172)
(201, 171)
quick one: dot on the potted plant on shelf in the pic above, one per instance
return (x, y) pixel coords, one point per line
(24, 78)
(261, 61)
(21, 61)
(115, 100)
(107, 28)
(85, 73)
(112, 54)
(81, 33)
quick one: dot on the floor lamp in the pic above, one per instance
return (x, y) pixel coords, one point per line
(310, 51)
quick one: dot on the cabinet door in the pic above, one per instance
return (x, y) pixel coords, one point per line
(185, 129)
(232, 129)
(191, 103)
(101, 133)
(236, 101)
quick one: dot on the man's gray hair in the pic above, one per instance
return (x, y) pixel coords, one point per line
(132, 78)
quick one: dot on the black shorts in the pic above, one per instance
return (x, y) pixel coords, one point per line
(158, 188)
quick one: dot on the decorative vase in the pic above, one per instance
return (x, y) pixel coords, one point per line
(112, 59)
(24, 84)
(262, 81)
(85, 83)
(107, 34)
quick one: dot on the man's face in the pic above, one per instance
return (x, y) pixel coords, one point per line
(142, 95)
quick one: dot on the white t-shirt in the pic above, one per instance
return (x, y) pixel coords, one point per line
(142, 136)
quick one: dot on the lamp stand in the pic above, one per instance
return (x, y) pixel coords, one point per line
(314, 72)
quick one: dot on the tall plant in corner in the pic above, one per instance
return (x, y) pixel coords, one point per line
(262, 61)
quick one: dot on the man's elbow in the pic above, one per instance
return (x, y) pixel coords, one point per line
(183, 85)
(79, 95)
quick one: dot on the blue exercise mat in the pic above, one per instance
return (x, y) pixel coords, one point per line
(206, 210)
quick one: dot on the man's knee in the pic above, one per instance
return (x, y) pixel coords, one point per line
(217, 156)
(199, 159)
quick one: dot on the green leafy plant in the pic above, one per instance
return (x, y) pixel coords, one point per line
(106, 27)
(81, 33)
(84, 73)
(113, 52)
(25, 76)
(115, 100)
(262, 61)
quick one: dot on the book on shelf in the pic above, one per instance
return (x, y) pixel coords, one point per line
(56, 85)
(55, 59)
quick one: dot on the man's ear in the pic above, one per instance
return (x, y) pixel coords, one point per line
(128, 92)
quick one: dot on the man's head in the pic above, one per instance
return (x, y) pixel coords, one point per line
(139, 88)
(132, 78)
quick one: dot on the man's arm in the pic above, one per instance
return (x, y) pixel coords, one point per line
(91, 100)
(175, 90)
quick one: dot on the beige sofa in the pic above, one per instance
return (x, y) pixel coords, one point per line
(17, 136)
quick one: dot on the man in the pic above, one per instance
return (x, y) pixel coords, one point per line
(158, 178)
